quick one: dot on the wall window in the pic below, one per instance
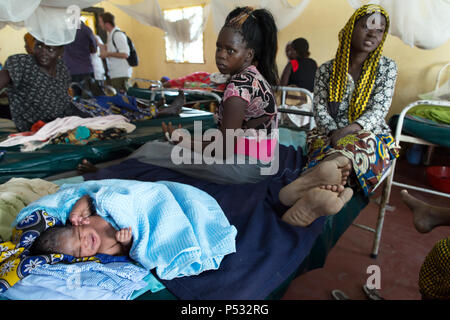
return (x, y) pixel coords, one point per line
(188, 52)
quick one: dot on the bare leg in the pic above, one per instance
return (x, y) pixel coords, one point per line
(315, 203)
(175, 107)
(331, 175)
(426, 216)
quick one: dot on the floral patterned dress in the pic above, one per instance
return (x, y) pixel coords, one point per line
(371, 149)
(251, 86)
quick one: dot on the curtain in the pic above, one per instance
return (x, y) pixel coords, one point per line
(53, 22)
(283, 12)
(421, 23)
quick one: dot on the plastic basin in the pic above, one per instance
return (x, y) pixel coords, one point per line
(439, 178)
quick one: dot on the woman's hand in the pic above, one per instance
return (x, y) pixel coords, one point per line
(340, 133)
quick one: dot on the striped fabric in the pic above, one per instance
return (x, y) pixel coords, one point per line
(434, 275)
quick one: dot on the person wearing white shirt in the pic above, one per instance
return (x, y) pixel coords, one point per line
(97, 63)
(116, 53)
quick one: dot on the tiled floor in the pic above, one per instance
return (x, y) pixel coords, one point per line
(402, 248)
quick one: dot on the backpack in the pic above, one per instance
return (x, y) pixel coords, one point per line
(132, 59)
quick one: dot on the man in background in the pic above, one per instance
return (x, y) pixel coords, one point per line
(116, 53)
(77, 56)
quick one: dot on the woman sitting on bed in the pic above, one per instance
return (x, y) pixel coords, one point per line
(38, 89)
(352, 95)
(245, 49)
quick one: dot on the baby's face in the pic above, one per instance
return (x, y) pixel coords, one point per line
(82, 241)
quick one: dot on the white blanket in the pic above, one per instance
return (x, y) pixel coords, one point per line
(61, 125)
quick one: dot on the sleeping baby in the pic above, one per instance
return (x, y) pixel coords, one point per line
(87, 235)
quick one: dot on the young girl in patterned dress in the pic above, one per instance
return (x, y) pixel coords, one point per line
(245, 49)
(352, 95)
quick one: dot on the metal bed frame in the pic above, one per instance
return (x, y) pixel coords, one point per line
(389, 175)
(284, 108)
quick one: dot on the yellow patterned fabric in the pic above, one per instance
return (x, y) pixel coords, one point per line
(338, 80)
(434, 275)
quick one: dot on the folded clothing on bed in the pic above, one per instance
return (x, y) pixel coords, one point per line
(60, 125)
(177, 229)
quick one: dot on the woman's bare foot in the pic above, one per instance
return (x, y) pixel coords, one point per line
(331, 175)
(426, 217)
(86, 167)
(315, 203)
(175, 107)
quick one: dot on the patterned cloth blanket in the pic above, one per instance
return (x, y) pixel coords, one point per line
(119, 104)
(16, 194)
(178, 229)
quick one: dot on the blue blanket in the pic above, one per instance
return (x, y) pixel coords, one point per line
(268, 250)
(177, 229)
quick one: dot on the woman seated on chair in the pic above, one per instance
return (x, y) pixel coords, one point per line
(352, 95)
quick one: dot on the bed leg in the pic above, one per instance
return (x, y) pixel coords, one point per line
(381, 212)
(428, 155)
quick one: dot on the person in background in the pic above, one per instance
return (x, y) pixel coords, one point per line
(300, 69)
(116, 52)
(37, 86)
(77, 55)
(97, 63)
(434, 275)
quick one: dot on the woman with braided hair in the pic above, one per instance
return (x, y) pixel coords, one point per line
(246, 48)
(352, 95)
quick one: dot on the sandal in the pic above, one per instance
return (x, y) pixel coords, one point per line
(372, 294)
(339, 295)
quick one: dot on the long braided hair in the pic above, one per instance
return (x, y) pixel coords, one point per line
(259, 31)
(338, 80)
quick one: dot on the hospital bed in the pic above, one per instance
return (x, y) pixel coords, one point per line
(295, 107)
(417, 131)
(55, 159)
(195, 98)
(412, 131)
(270, 253)
(302, 253)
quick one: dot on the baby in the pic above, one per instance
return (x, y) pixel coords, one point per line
(87, 235)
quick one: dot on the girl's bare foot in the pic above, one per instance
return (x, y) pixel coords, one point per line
(331, 175)
(426, 217)
(315, 203)
(86, 167)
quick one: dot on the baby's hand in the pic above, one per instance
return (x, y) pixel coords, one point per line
(80, 212)
(124, 236)
(78, 220)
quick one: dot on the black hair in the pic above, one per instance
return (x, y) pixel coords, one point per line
(49, 241)
(108, 17)
(259, 31)
(300, 46)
